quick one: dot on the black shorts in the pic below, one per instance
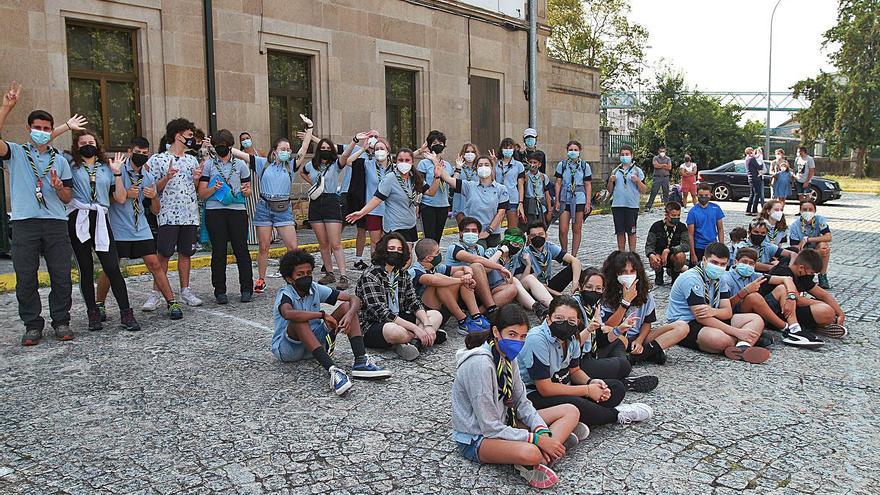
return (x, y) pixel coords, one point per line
(411, 234)
(624, 219)
(179, 237)
(326, 209)
(493, 240)
(135, 249)
(691, 340)
(375, 339)
(803, 314)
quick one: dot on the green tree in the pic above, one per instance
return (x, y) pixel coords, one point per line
(598, 34)
(846, 112)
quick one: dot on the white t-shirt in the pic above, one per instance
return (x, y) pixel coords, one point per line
(689, 169)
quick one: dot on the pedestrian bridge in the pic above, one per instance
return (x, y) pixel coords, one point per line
(746, 100)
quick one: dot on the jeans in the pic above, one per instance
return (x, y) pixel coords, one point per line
(30, 239)
(655, 186)
(109, 263)
(229, 226)
(756, 195)
(592, 413)
(434, 221)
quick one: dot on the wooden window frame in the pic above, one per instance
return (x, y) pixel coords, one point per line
(397, 103)
(290, 94)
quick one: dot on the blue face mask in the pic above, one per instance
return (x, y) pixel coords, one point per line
(40, 137)
(283, 156)
(573, 155)
(507, 152)
(530, 141)
(470, 238)
(713, 271)
(626, 160)
(744, 270)
(246, 143)
(510, 348)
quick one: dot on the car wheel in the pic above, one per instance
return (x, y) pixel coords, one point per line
(721, 192)
(815, 195)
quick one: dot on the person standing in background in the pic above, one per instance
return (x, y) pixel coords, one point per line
(662, 167)
(806, 169)
(688, 171)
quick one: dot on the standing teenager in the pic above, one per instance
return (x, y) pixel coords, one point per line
(574, 189)
(486, 200)
(465, 169)
(754, 167)
(435, 207)
(536, 193)
(806, 169)
(247, 145)
(705, 223)
(627, 185)
(511, 173)
(368, 167)
(688, 170)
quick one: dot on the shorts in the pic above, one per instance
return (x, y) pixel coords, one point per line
(493, 240)
(410, 234)
(624, 219)
(288, 350)
(326, 209)
(803, 314)
(691, 340)
(470, 451)
(799, 187)
(512, 206)
(135, 249)
(373, 222)
(688, 186)
(181, 237)
(375, 339)
(264, 217)
(578, 208)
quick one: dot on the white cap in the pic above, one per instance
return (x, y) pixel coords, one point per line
(530, 133)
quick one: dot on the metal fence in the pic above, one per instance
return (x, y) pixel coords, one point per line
(615, 141)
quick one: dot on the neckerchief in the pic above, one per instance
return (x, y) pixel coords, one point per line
(218, 165)
(135, 202)
(469, 173)
(669, 235)
(38, 190)
(535, 182)
(589, 313)
(814, 228)
(623, 173)
(543, 261)
(774, 232)
(572, 171)
(504, 172)
(380, 172)
(504, 376)
(93, 173)
(408, 189)
(715, 301)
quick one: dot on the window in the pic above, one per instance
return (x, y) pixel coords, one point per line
(400, 108)
(290, 94)
(485, 112)
(102, 66)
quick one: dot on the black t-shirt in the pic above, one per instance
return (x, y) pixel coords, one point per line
(803, 284)
(659, 229)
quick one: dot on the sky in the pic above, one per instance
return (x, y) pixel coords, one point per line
(722, 45)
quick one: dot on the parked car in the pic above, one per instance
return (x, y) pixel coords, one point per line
(730, 183)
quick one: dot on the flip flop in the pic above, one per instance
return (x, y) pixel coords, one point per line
(747, 353)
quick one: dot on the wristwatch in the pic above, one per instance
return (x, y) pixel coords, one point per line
(355, 139)
(791, 296)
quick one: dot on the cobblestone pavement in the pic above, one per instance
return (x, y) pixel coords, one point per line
(200, 406)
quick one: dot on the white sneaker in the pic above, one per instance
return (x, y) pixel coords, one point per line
(629, 413)
(408, 352)
(189, 297)
(152, 302)
(277, 274)
(582, 431)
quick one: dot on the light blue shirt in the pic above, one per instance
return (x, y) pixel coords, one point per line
(800, 229)
(508, 175)
(646, 313)
(400, 209)
(310, 302)
(467, 174)
(542, 352)
(82, 190)
(626, 194)
(233, 172)
(23, 182)
(542, 261)
(417, 270)
(732, 282)
(483, 202)
(535, 185)
(441, 198)
(690, 289)
(767, 251)
(122, 216)
(457, 246)
(373, 174)
(331, 173)
(274, 178)
(577, 171)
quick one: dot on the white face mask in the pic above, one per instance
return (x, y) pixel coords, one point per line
(808, 215)
(626, 280)
(381, 155)
(776, 215)
(484, 171)
(404, 167)
(470, 157)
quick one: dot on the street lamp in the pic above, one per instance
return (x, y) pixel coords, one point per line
(769, 78)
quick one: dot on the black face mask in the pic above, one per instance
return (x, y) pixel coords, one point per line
(222, 150)
(757, 239)
(563, 330)
(438, 148)
(395, 259)
(191, 153)
(704, 200)
(139, 160)
(590, 298)
(88, 151)
(303, 284)
(325, 155)
(537, 242)
(513, 250)
(191, 143)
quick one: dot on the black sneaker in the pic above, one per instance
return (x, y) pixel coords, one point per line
(32, 336)
(823, 281)
(360, 265)
(658, 278)
(765, 340)
(803, 339)
(641, 384)
(103, 310)
(221, 298)
(95, 321)
(63, 333)
(441, 337)
(539, 309)
(174, 310)
(128, 321)
(247, 297)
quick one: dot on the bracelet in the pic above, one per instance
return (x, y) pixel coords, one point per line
(543, 431)
(533, 438)
(490, 230)
(624, 303)
(323, 314)
(117, 175)
(590, 380)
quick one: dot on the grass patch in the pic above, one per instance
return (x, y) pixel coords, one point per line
(851, 184)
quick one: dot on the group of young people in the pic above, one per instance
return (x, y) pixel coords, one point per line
(524, 393)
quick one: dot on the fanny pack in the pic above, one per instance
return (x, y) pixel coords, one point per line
(277, 205)
(224, 195)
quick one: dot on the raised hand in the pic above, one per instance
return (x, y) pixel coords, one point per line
(630, 293)
(459, 162)
(55, 181)
(307, 121)
(171, 172)
(11, 96)
(116, 162)
(492, 157)
(430, 155)
(77, 122)
(362, 136)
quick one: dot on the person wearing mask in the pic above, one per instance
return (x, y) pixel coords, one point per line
(773, 214)
(486, 200)
(688, 170)
(781, 181)
(811, 231)
(627, 185)
(705, 223)
(662, 165)
(806, 169)
(327, 173)
(492, 419)
(756, 182)
(435, 207)
(574, 188)
(392, 315)
(550, 369)
(530, 139)
(769, 254)
(177, 174)
(536, 192)
(376, 163)
(511, 173)
(303, 330)
(668, 245)
(247, 145)
(543, 253)
(531, 293)
(131, 231)
(225, 185)
(468, 171)
(776, 164)
(699, 299)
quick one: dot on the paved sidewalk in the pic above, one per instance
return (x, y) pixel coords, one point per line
(201, 406)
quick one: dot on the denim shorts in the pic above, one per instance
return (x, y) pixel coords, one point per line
(470, 451)
(288, 350)
(264, 217)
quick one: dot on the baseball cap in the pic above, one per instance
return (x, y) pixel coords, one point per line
(530, 133)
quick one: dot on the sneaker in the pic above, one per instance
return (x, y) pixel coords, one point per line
(328, 279)
(260, 286)
(63, 333)
(127, 320)
(95, 320)
(570, 442)
(174, 310)
(539, 309)
(189, 297)
(469, 325)
(103, 310)
(641, 384)
(765, 340)
(539, 476)
(482, 321)
(833, 330)
(747, 353)
(277, 274)
(582, 431)
(659, 358)
(152, 302)
(441, 337)
(343, 283)
(658, 278)
(823, 281)
(368, 369)
(32, 336)
(802, 338)
(633, 413)
(221, 298)
(408, 352)
(339, 381)
(247, 297)
(360, 265)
